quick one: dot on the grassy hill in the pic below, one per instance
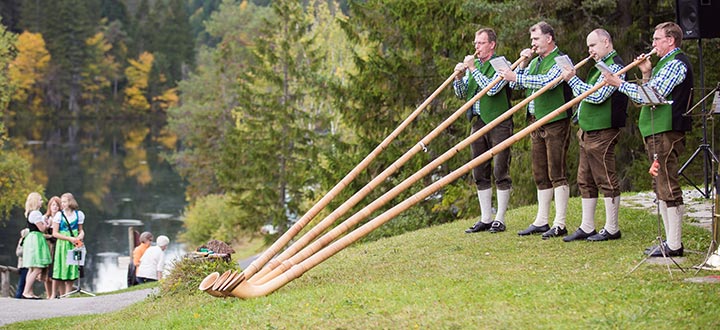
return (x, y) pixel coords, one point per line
(441, 278)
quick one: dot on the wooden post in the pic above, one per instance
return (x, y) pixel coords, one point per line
(131, 240)
(5, 280)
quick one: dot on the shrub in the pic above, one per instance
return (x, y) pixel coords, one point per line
(212, 217)
(187, 273)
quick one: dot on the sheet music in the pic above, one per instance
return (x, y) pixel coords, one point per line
(716, 103)
(564, 62)
(603, 67)
(651, 96)
(500, 63)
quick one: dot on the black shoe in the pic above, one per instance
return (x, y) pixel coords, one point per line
(478, 226)
(579, 234)
(668, 252)
(534, 230)
(497, 227)
(651, 249)
(555, 231)
(604, 235)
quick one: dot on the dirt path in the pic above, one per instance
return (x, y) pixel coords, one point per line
(16, 310)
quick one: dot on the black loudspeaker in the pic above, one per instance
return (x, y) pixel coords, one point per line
(698, 18)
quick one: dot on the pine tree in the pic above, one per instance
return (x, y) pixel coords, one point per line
(8, 42)
(66, 44)
(98, 72)
(209, 95)
(269, 157)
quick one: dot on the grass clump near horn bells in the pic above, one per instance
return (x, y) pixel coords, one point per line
(441, 278)
(187, 273)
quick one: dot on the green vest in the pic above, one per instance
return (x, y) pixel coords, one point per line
(591, 116)
(551, 99)
(658, 120)
(491, 106)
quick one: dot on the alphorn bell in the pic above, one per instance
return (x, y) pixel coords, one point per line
(362, 193)
(236, 287)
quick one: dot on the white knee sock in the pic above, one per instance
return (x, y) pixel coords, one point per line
(485, 198)
(673, 228)
(503, 199)
(543, 213)
(664, 215)
(588, 214)
(562, 194)
(612, 209)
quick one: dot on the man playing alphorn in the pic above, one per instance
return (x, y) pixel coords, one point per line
(549, 142)
(478, 74)
(600, 117)
(664, 127)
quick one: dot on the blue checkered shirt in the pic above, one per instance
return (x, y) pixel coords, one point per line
(602, 94)
(535, 81)
(671, 75)
(460, 86)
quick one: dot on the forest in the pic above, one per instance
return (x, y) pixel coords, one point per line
(272, 103)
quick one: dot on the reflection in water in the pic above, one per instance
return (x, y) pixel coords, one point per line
(116, 171)
(125, 222)
(111, 268)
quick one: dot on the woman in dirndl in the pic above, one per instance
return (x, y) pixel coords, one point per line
(53, 207)
(68, 229)
(36, 254)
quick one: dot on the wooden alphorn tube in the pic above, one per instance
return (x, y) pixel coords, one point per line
(258, 263)
(365, 212)
(246, 290)
(362, 193)
(249, 290)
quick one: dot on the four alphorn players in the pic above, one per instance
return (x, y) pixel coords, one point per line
(599, 117)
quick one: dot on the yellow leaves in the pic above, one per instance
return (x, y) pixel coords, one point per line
(135, 161)
(98, 41)
(29, 66)
(168, 99)
(100, 69)
(167, 138)
(138, 75)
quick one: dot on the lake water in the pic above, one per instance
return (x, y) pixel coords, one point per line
(117, 172)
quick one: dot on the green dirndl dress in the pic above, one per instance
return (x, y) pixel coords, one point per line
(36, 253)
(61, 269)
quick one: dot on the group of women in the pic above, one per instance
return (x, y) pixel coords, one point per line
(45, 248)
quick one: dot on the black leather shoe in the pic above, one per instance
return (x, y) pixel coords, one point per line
(496, 227)
(578, 234)
(668, 251)
(604, 235)
(534, 230)
(555, 231)
(651, 249)
(478, 226)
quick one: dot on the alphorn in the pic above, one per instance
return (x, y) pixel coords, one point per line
(395, 191)
(329, 196)
(234, 285)
(362, 193)
(381, 201)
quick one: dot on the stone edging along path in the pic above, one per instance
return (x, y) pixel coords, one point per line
(697, 208)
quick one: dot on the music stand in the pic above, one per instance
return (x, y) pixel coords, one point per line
(706, 265)
(708, 155)
(651, 97)
(77, 258)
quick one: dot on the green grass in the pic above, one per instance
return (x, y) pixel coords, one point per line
(441, 278)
